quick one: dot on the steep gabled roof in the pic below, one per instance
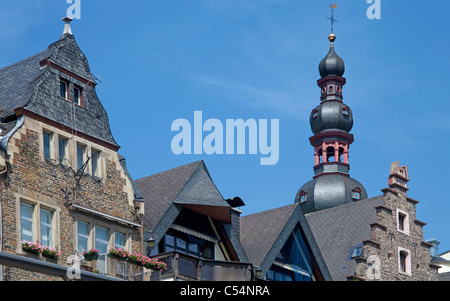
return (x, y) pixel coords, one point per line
(161, 189)
(339, 230)
(263, 234)
(189, 186)
(32, 85)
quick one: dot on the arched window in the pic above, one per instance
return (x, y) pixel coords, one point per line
(330, 154)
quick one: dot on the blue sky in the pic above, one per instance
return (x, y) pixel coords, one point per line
(162, 60)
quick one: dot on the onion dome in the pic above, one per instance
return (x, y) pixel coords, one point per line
(331, 64)
(329, 190)
(331, 116)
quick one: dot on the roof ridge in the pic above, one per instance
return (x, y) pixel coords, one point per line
(196, 163)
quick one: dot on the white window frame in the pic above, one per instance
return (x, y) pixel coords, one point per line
(36, 222)
(80, 91)
(407, 261)
(64, 160)
(51, 226)
(405, 222)
(97, 160)
(67, 85)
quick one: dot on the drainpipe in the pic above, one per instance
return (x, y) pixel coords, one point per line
(1, 220)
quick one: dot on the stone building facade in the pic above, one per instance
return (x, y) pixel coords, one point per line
(396, 250)
(63, 183)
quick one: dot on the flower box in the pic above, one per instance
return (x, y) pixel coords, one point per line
(90, 255)
(37, 248)
(119, 254)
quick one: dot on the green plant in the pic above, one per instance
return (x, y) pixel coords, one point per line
(91, 254)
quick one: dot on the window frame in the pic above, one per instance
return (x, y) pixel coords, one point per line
(404, 266)
(66, 87)
(83, 148)
(51, 225)
(403, 227)
(95, 160)
(64, 160)
(50, 138)
(36, 221)
(78, 100)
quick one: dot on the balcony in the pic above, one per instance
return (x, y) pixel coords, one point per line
(124, 270)
(185, 267)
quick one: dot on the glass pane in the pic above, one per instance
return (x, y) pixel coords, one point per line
(181, 243)
(62, 150)
(47, 139)
(94, 159)
(80, 155)
(26, 210)
(83, 228)
(101, 239)
(170, 240)
(76, 96)
(120, 240)
(82, 244)
(46, 228)
(27, 230)
(63, 89)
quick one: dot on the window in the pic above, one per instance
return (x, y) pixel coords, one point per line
(82, 236)
(26, 222)
(46, 231)
(357, 252)
(101, 244)
(37, 224)
(95, 162)
(315, 114)
(356, 194)
(81, 151)
(187, 244)
(404, 261)
(62, 145)
(120, 240)
(63, 89)
(47, 145)
(302, 195)
(403, 221)
(346, 112)
(77, 95)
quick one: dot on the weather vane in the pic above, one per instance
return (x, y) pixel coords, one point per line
(332, 19)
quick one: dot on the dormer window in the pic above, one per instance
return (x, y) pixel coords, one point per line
(64, 89)
(77, 95)
(346, 112)
(356, 194)
(303, 198)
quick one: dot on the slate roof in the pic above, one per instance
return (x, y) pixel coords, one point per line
(339, 230)
(189, 186)
(263, 234)
(444, 276)
(161, 189)
(260, 230)
(27, 85)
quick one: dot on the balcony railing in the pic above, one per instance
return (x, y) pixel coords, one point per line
(118, 268)
(184, 267)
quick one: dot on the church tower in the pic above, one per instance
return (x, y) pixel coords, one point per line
(331, 122)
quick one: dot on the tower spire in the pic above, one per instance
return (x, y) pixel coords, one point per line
(331, 122)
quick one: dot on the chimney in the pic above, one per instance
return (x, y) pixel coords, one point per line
(67, 29)
(236, 214)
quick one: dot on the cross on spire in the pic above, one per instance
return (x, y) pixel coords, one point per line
(332, 19)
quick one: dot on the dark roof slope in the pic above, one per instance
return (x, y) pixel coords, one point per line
(339, 230)
(27, 85)
(260, 230)
(161, 189)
